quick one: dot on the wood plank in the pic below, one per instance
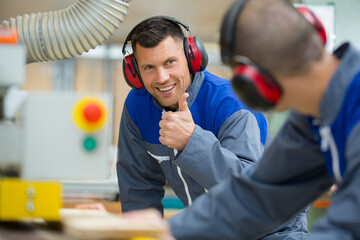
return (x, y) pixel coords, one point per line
(95, 224)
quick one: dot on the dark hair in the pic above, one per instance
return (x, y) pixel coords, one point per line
(150, 33)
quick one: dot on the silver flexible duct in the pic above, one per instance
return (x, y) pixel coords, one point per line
(68, 32)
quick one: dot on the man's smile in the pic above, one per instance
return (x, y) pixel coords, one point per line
(165, 89)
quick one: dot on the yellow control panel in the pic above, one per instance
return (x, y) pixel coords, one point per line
(25, 199)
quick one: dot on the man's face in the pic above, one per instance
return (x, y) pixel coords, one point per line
(164, 71)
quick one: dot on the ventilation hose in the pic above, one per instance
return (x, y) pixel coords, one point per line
(68, 32)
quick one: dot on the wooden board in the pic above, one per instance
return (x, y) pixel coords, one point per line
(95, 225)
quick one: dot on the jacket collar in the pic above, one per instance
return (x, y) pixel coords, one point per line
(335, 92)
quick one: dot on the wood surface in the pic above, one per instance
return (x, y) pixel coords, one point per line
(96, 224)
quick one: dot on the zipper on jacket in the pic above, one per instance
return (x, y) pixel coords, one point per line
(184, 182)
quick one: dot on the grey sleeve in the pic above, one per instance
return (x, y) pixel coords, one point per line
(342, 220)
(141, 181)
(290, 175)
(208, 159)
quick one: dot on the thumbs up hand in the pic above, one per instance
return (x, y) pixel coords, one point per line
(183, 106)
(176, 128)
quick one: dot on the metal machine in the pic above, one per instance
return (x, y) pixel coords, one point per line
(49, 140)
(18, 199)
(46, 138)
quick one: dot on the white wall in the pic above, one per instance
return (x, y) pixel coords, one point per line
(347, 20)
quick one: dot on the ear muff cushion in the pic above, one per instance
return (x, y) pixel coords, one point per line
(265, 85)
(249, 95)
(131, 72)
(195, 53)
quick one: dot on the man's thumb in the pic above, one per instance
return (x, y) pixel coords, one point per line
(182, 102)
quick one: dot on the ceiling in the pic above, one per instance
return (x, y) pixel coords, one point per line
(203, 23)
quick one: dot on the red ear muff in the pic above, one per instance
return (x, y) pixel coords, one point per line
(196, 54)
(257, 89)
(266, 86)
(131, 72)
(314, 21)
(255, 86)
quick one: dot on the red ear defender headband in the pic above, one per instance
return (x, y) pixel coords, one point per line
(314, 21)
(195, 53)
(255, 86)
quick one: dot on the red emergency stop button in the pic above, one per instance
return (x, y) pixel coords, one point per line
(90, 114)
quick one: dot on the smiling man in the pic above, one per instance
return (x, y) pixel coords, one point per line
(180, 123)
(164, 70)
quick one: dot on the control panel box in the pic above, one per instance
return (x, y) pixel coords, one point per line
(67, 136)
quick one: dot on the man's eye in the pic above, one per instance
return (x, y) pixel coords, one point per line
(148, 68)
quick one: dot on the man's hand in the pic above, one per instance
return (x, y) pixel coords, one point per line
(176, 128)
(153, 216)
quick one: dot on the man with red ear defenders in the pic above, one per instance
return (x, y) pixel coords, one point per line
(318, 145)
(180, 123)
(253, 83)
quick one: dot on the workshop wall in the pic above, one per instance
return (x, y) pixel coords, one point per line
(105, 73)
